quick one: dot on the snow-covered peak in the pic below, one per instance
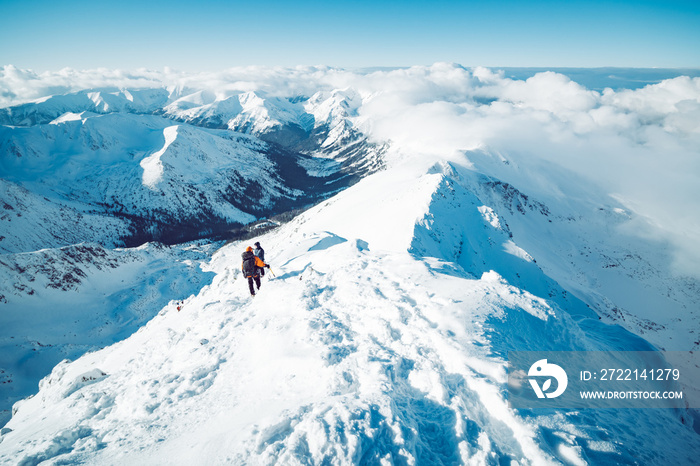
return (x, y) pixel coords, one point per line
(194, 99)
(205, 107)
(96, 101)
(248, 112)
(332, 108)
(404, 200)
(261, 113)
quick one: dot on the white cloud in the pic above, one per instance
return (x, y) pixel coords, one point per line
(20, 86)
(656, 100)
(545, 91)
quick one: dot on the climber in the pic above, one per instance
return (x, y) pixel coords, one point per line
(260, 253)
(250, 266)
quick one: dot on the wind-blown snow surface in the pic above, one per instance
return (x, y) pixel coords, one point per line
(530, 215)
(367, 347)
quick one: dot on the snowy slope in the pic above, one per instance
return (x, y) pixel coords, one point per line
(579, 239)
(30, 221)
(61, 303)
(143, 174)
(371, 345)
(511, 215)
(105, 166)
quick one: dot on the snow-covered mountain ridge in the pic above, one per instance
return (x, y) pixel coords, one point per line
(137, 176)
(371, 345)
(509, 216)
(113, 167)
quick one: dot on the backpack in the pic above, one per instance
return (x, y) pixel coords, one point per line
(248, 263)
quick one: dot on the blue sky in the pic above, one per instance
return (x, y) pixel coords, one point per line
(212, 35)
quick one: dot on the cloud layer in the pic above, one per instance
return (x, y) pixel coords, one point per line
(642, 146)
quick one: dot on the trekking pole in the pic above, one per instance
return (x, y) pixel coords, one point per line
(273, 273)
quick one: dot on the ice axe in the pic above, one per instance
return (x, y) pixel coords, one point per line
(273, 273)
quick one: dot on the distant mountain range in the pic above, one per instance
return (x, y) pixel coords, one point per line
(125, 167)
